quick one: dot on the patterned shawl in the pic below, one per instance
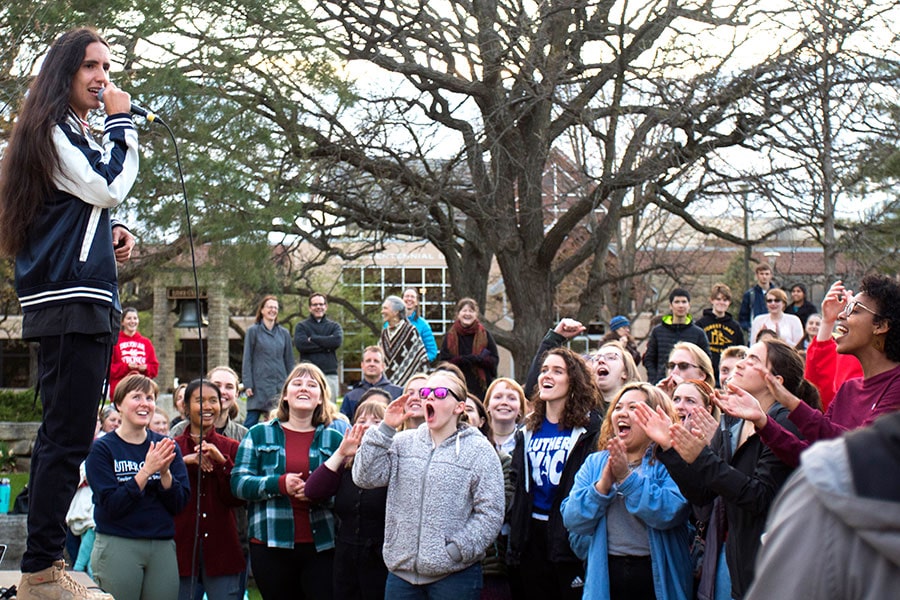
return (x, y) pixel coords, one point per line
(404, 352)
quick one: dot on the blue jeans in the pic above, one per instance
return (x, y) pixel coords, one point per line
(252, 418)
(462, 585)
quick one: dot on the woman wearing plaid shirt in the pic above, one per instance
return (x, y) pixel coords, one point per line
(291, 538)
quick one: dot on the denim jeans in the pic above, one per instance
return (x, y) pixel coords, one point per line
(462, 585)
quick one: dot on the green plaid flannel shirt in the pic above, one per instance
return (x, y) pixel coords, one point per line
(259, 464)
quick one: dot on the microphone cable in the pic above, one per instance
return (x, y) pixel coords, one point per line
(151, 117)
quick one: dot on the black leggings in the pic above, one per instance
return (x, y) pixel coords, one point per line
(298, 574)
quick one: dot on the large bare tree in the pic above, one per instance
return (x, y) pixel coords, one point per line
(450, 126)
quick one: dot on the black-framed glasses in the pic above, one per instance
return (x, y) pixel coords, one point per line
(851, 306)
(772, 300)
(681, 366)
(439, 392)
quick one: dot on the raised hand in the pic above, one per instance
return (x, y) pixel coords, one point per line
(655, 424)
(669, 384)
(569, 328)
(395, 413)
(688, 444)
(618, 459)
(740, 404)
(781, 393)
(833, 303)
(352, 439)
(160, 456)
(702, 421)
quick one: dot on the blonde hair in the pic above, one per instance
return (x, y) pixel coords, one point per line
(653, 396)
(323, 413)
(415, 377)
(369, 408)
(514, 386)
(700, 357)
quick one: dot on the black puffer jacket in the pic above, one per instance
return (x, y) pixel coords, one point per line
(747, 482)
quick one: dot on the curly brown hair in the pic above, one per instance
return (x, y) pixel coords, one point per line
(583, 394)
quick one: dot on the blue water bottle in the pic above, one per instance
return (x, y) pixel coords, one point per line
(4, 496)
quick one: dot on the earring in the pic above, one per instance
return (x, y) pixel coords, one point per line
(878, 343)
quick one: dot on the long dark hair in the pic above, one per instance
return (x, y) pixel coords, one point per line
(784, 360)
(583, 394)
(30, 161)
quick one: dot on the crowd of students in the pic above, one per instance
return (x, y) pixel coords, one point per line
(594, 485)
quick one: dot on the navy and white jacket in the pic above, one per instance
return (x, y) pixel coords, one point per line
(68, 255)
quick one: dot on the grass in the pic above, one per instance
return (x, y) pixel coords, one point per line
(17, 481)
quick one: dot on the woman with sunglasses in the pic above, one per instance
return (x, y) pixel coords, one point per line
(788, 327)
(687, 361)
(558, 435)
(445, 494)
(865, 329)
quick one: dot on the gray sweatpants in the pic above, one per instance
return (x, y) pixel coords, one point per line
(135, 569)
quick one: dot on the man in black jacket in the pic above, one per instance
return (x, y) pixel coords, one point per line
(318, 338)
(675, 327)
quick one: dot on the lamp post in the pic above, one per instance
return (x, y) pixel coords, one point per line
(748, 249)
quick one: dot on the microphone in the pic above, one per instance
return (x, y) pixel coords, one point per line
(135, 109)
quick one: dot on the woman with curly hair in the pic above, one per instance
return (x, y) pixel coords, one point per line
(632, 511)
(866, 328)
(558, 435)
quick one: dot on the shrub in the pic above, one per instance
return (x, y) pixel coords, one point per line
(19, 406)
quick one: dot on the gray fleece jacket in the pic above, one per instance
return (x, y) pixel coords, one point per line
(824, 539)
(444, 505)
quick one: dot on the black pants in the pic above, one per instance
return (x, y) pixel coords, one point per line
(631, 578)
(359, 571)
(539, 579)
(72, 370)
(298, 574)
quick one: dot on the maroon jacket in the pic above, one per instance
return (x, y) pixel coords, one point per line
(221, 549)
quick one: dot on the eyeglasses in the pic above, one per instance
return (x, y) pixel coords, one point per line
(607, 356)
(681, 366)
(772, 300)
(851, 307)
(439, 392)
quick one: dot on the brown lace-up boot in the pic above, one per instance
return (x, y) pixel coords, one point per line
(54, 583)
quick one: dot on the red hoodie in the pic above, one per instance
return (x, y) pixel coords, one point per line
(131, 350)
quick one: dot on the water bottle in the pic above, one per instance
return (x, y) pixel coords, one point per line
(4, 496)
